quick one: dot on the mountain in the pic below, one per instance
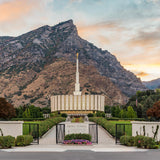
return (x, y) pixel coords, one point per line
(26, 63)
(152, 84)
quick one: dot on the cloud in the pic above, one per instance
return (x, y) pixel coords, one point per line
(20, 16)
(142, 74)
(72, 1)
(89, 29)
(103, 40)
(15, 9)
(149, 39)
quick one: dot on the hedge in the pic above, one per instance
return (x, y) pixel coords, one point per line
(104, 123)
(129, 119)
(44, 126)
(139, 141)
(24, 140)
(27, 119)
(7, 141)
(127, 140)
(78, 136)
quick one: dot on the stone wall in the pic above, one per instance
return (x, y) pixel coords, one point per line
(76, 128)
(13, 128)
(74, 102)
(150, 127)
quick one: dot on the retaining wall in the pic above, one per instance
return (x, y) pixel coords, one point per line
(13, 128)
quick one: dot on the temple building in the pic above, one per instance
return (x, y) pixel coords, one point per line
(77, 104)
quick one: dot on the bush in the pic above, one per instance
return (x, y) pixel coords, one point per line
(24, 140)
(149, 143)
(139, 141)
(7, 141)
(90, 114)
(100, 114)
(78, 136)
(105, 124)
(64, 115)
(77, 120)
(55, 114)
(44, 126)
(127, 140)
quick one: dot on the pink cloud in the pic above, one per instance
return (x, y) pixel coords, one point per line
(15, 9)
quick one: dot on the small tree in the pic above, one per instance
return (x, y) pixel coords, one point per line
(7, 110)
(154, 111)
(131, 113)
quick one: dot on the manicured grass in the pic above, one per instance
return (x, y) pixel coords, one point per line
(120, 122)
(110, 126)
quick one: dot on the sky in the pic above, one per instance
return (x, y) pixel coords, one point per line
(128, 29)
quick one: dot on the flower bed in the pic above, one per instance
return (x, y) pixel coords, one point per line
(77, 141)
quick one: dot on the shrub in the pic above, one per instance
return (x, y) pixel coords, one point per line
(44, 126)
(78, 136)
(64, 115)
(100, 114)
(7, 141)
(139, 141)
(78, 120)
(24, 140)
(149, 143)
(90, 114)
(127, 140)
(77, 141)
(104, 123)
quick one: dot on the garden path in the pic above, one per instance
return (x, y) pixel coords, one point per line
(103, 137)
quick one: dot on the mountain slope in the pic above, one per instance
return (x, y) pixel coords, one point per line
(152, 84)
(58, 78)
(24, 58)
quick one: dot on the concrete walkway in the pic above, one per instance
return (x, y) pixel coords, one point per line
(49, 138)
(103, 137)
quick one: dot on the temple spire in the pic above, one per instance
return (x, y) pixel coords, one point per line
(77, 84)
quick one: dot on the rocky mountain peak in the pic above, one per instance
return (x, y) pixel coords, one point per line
(30, 54)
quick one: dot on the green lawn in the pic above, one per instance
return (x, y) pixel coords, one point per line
(110, 126)
(120, 122)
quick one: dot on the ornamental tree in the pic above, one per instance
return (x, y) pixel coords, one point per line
(154, 111)
(7, 110)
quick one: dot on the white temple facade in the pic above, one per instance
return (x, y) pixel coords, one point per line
(77, 103)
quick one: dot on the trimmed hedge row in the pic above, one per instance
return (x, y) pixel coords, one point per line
(104, 123)
(44, 126)
(9, 141)
(139, 141)
(130, 119)
(78, 136)
(24, 140)
(27, 119)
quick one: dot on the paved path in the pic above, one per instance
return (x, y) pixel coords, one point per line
(103, 137)
(49, 138)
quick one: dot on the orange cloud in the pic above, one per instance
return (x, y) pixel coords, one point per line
(90, 29)
(103, 40)
(15, 9)
(142, 74)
